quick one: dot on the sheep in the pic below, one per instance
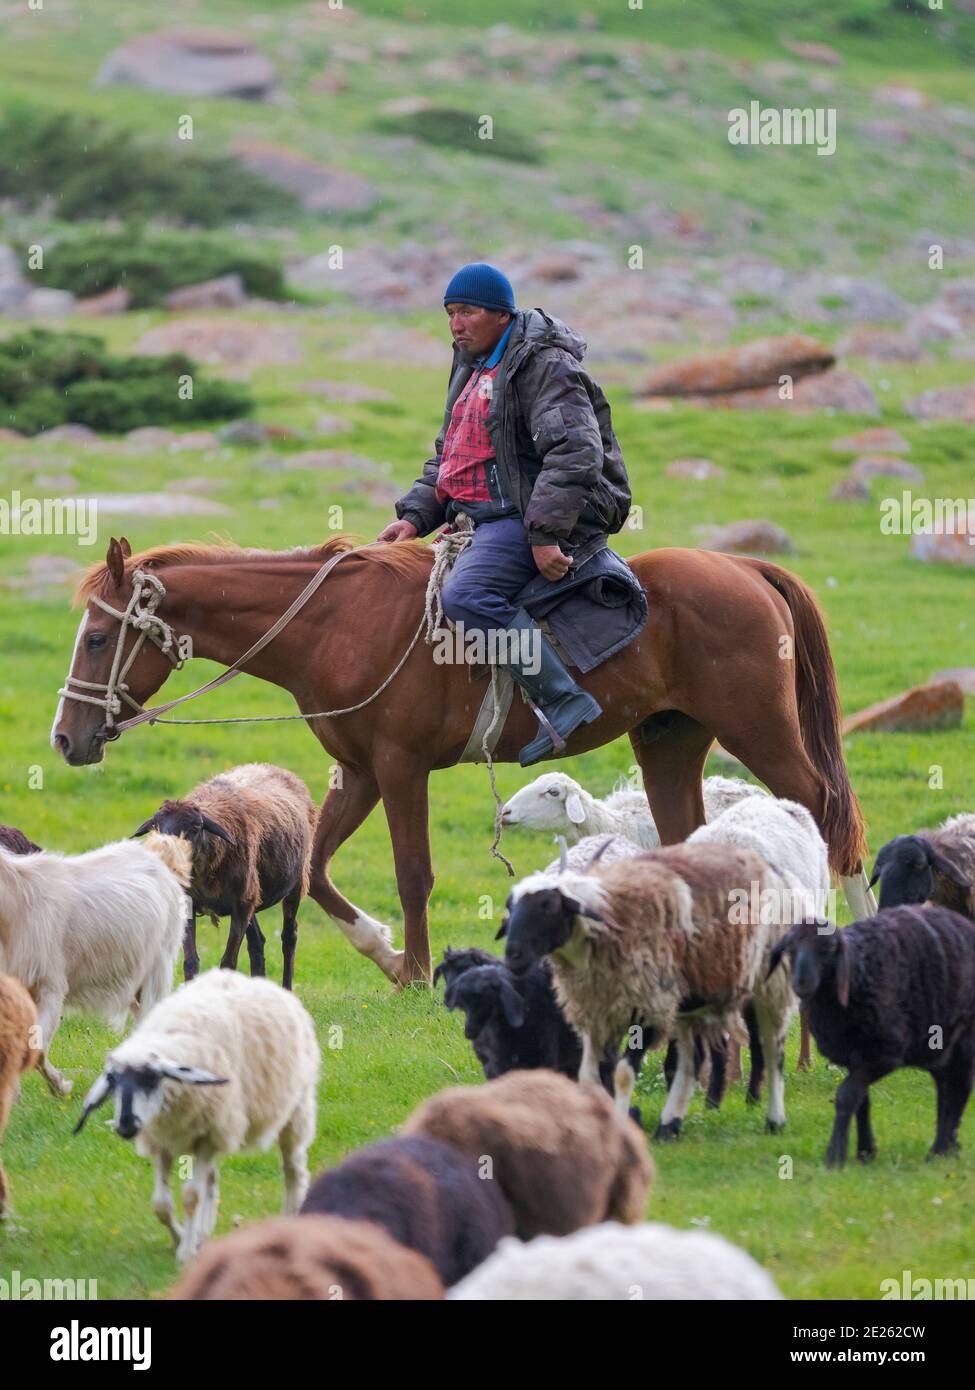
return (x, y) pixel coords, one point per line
(252, 1046)
(559, 1153)
(613, 1263)
(646, 947)
(18, 1025)
(557, 802)
(428, 1196)
(300, 1258)
(786, 836)
(252, 831)
(935, 866)
(96, 933)
(16, 842)
(895, 990)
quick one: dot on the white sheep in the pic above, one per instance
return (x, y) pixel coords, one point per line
(252, 1046)
(608, 848)
(614, 1263)
(96, 933)
(787, 837)
(557, 802)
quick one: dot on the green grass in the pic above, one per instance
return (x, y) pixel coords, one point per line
(83, 1205)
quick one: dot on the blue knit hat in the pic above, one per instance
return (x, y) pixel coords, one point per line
(483, 285)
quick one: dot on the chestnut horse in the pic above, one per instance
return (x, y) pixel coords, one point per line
(734, 649)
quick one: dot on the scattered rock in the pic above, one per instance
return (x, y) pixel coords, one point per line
(944, 403)
(47, 304)
(226, 292)
(552, 269)
(200, 63)
(952, 544)
(148, 437)
(403, 347)
(850, 490)
(350, 391)
(243, 432)
(219, 341)
(193, 440)
(405, 106)
(870, 466)
(834, 390)
(317, 188)
(111, 302)
(814, 52)
(878, 437)
(194, 485)
(940, 705)
(328, 459)
(751, 538)
(755, 364)
(696, 469)
(9, 436)
(935, 324)
(331, 424)
(67, 434)
(55, 483)
(46, 573)
(906, 98)
(964, 675)
(158, 504)
(845, 298)
(880, 345)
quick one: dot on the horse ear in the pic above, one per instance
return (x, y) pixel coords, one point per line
(115, 562)
(125, 548)
(842, 972)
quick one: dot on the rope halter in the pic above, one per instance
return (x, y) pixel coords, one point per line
(139, 614)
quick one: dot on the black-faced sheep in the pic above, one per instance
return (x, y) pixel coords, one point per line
(660, 944)
(427, 1196)
(18, 1052)
(935, 866)
(98, 932)
(558, 1151)
(512, 1022)
(251, 830)
(225, 1063)
(14, 841)
(295, 1259)
(896, 990)
(611, 1263)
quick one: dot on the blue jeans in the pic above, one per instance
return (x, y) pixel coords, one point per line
(495, 567)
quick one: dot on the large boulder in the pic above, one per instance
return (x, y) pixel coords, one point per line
(226, 292)
(951, 541)
(834, 390)
(878, 438)
(964, 675)
(191, 62)
(940, 705)
(755, 364)
(317, 187)
(870, 466)
(751, 538)
(223, 341)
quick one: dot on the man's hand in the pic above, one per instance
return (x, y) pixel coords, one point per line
(398, 531)
(550, 561)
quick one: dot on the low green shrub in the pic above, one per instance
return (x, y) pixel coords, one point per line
(47, 379)
(442, 125)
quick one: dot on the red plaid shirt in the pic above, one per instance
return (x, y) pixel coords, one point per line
(467, 446)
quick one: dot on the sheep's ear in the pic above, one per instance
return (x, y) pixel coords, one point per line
(97, 1096)
(439, 972)
(213, 828)
(842, 972)
(874, 877)
(512, 1004)
(573, 808)
(144, 828)
(778, 951)
(503, 929)
(115, 562)
(192, 1076)
(945, 866)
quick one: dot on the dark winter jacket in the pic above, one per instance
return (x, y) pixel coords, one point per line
(558, 461)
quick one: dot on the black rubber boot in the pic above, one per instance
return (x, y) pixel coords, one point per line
(552, 690)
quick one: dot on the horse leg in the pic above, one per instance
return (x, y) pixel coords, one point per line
(671, 756)
(405, 801)
(343, 811)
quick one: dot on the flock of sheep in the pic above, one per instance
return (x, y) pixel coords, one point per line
(534, 1184)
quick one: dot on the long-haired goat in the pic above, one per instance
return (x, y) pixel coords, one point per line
(251, 830)
(18, 1024)
(97, 933)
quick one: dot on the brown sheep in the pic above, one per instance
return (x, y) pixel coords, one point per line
(18, 1022)
(559, 1151)
(303, 1258)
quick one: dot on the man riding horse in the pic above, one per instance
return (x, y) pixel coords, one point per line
(527, 451)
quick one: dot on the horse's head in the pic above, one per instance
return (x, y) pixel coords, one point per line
(114, 669)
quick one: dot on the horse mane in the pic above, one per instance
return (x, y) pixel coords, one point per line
(406, 559)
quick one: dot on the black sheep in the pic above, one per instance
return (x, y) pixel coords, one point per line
(935, 866)
(14, 841)
(427, 1195)
(895, 990)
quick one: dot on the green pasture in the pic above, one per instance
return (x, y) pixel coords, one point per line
(82, 1205)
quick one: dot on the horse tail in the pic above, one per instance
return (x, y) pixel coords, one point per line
(818, 699)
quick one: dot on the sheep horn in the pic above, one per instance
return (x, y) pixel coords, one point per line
(144, 828)
(215, 829)
(600, 851)
(192, 1076)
